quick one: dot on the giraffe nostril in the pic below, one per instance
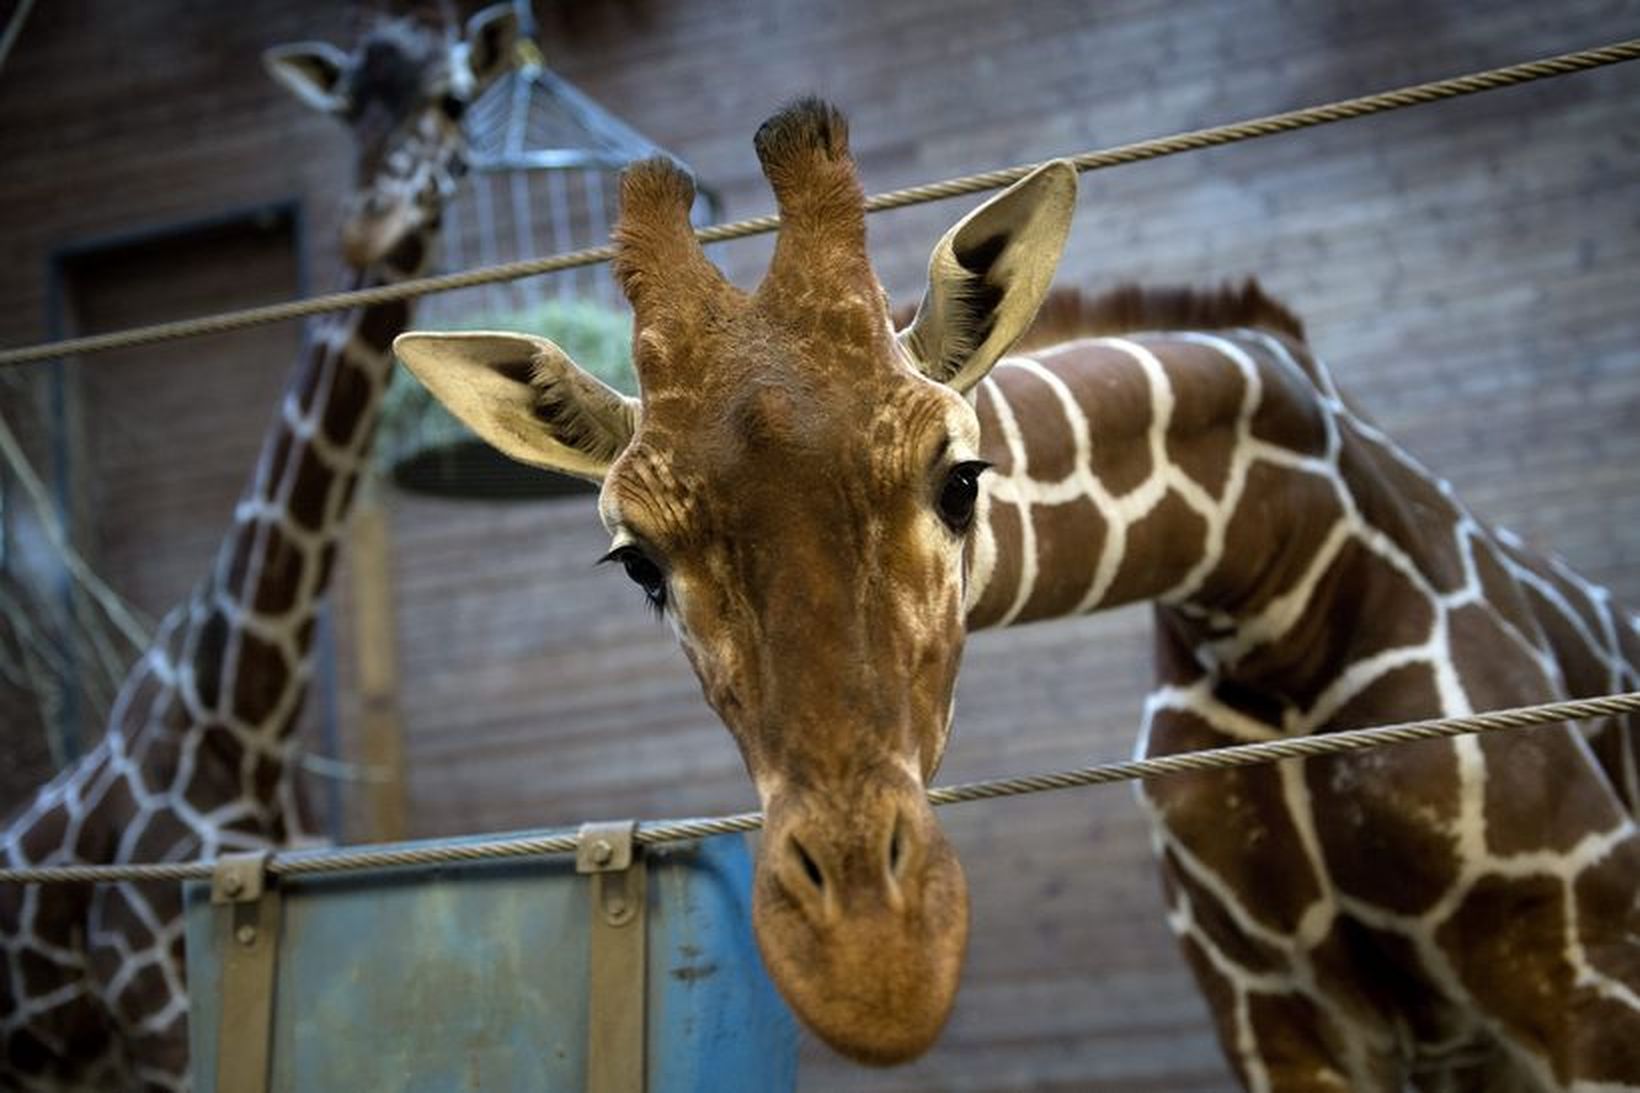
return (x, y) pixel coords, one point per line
(896, 847)
(811, 868)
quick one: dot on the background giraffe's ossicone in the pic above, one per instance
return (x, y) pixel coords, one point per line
(795, 489)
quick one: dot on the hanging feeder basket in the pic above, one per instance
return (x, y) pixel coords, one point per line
(544, 161)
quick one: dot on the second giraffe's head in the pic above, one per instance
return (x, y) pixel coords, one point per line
(402, 91)
(796, 490)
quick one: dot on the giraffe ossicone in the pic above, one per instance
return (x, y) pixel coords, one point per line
(823, 507)
(199, 754)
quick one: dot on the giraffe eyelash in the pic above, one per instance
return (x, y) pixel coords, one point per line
(642, 571)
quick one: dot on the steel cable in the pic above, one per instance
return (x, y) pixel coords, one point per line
(308, 862)
(1417, 94)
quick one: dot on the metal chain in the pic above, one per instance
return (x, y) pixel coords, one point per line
(303, 862)
(1456, 86)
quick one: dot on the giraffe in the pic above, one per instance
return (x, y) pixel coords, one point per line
(822, 507)
(198, 757)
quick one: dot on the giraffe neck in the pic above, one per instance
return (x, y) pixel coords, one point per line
(253, 618)
(1219, 476)
(195, 761)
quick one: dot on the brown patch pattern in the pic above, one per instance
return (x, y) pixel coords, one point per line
(1235, 823)
(1404, 505)
(1541, 794)
(1385, 817)
(263, 676)
(1491, 662)
(1161, 545)
(1506, 942)
(1069, 538)
(1253, 570)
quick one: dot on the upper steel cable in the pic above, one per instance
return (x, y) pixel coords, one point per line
(1414, 95)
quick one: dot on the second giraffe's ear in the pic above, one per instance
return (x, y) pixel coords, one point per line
(988, 275)
(525, 397)
(312, 71)
(491, 36)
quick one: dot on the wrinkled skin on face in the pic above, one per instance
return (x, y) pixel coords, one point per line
(795, 491)
(402, 91)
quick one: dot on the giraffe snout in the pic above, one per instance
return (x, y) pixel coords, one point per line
(826, 872)
(861, 912)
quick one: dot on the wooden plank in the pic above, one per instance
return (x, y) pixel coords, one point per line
(381, 728)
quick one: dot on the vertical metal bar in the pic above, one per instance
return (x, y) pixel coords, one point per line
(247, 937)
(453, 249)
(617, 988)
(562, 233)
(523, 233)
(486, 231)
(433, 309)
(523, 223)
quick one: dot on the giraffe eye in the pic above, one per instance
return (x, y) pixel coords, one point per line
(957, 496)
(643, 572)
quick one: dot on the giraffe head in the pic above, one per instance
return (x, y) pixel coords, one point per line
(795, 491)
(402, 91)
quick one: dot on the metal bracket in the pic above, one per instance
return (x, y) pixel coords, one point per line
(247, 937)
(239, 878)
(617, 997)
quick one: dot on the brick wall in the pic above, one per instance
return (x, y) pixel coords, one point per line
(1467, 268)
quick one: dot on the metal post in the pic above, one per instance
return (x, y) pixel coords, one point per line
(247, 926)
(616, 985)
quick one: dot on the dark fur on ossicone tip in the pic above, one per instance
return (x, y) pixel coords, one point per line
(653, 236)
(658, 184)
(807, 126)
(804, 153)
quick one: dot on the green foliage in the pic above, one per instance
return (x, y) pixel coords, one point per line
(596, 337)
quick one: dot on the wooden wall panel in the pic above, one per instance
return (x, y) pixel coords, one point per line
(162, 477)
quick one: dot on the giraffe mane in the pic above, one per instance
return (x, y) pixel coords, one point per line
(1069, 313)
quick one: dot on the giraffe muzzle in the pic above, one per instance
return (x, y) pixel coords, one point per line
(861, 911)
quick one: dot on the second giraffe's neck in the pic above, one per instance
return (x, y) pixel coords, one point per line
(1216, 474)
(253, 618)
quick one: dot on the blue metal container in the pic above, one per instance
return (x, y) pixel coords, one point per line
(474, 977)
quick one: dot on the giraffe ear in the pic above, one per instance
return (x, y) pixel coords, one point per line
(988, 276)
(524, 396)
(491, 36)
(312, 71)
